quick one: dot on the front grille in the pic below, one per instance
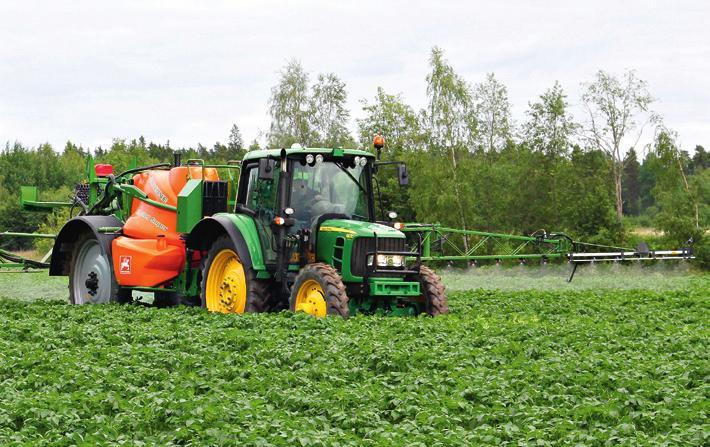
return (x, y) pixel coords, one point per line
(364, 245)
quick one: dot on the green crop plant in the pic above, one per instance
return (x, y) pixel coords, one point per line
(558, 367)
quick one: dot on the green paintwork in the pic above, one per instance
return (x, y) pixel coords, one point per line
(247, 228)
(506, 246)
(189, 206)
(29, 200)
(188, 284)
(384, 306)
(333, 229)
(393, 287)
(263, 274)
(29, 235)
(358, 228)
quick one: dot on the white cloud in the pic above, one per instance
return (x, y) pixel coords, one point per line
(185, 71)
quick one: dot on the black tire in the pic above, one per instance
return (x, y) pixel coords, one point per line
(330, 282)
(433, 292)
(91, 276)
(258, 293)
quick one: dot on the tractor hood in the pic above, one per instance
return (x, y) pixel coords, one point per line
(356, 228)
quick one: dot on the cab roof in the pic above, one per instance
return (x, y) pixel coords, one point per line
(275, 153)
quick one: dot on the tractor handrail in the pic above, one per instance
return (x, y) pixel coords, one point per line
(200, 162)
(143, 197)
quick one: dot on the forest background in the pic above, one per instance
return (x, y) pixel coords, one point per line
(614, 175)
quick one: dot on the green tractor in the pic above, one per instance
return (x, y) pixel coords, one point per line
(298, 230)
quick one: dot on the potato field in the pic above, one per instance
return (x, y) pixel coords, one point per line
(556, 366)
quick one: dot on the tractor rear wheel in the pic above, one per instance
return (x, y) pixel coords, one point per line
(91, 278)
(319, 291)
(433, 292)
(227, 285)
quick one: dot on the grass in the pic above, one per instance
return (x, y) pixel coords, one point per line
(33, 286)
(587, 366)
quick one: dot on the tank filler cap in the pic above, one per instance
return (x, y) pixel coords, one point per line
(103, 170)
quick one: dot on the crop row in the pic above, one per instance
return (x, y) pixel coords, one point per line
(504, 368)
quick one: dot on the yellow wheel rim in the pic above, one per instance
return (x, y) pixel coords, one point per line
(226, 289)
(311, 299)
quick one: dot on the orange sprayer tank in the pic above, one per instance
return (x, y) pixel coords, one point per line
(151, 252)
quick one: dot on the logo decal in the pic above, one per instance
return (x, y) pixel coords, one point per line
(152, 220)
(125, 265)
(156, 189)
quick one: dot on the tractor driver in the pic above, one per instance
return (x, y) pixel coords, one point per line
(309, 203)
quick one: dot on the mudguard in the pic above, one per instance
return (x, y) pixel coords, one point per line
(240, 228)
(70, 232)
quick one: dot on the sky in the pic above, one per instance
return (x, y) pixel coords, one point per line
(184, 72)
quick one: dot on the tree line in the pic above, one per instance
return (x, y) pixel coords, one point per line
(471, 166)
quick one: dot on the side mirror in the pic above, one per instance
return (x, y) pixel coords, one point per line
(403, 174)
(266, 169)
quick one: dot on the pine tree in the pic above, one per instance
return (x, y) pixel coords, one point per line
(631, 191)
(235, 142)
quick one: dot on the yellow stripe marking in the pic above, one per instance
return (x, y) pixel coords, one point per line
(337, 230)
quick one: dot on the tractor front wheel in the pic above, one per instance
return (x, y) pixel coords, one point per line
(433, 292)
(227, 285)
(91, 279)
(319, 291)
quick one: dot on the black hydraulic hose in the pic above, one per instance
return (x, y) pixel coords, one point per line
(379, 196)
(144, 168)
(105, 198)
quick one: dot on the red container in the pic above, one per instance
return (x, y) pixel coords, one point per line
(102, 170)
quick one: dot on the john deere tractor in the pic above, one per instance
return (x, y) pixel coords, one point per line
(298, 230)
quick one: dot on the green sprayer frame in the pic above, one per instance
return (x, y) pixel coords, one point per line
(15, 262)
(441, 243)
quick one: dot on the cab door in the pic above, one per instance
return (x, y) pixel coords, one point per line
(261, 196)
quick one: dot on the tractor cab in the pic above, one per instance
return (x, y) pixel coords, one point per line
(319, 181)
(316, 205)
(302, 188)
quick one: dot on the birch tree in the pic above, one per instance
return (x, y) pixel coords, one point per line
(328, 111)
(449, 120)
(492, 110)
(290, 108)
(618, 112)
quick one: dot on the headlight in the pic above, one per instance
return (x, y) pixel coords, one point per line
(387, 260)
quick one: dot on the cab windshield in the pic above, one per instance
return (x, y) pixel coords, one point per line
(331, 186)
